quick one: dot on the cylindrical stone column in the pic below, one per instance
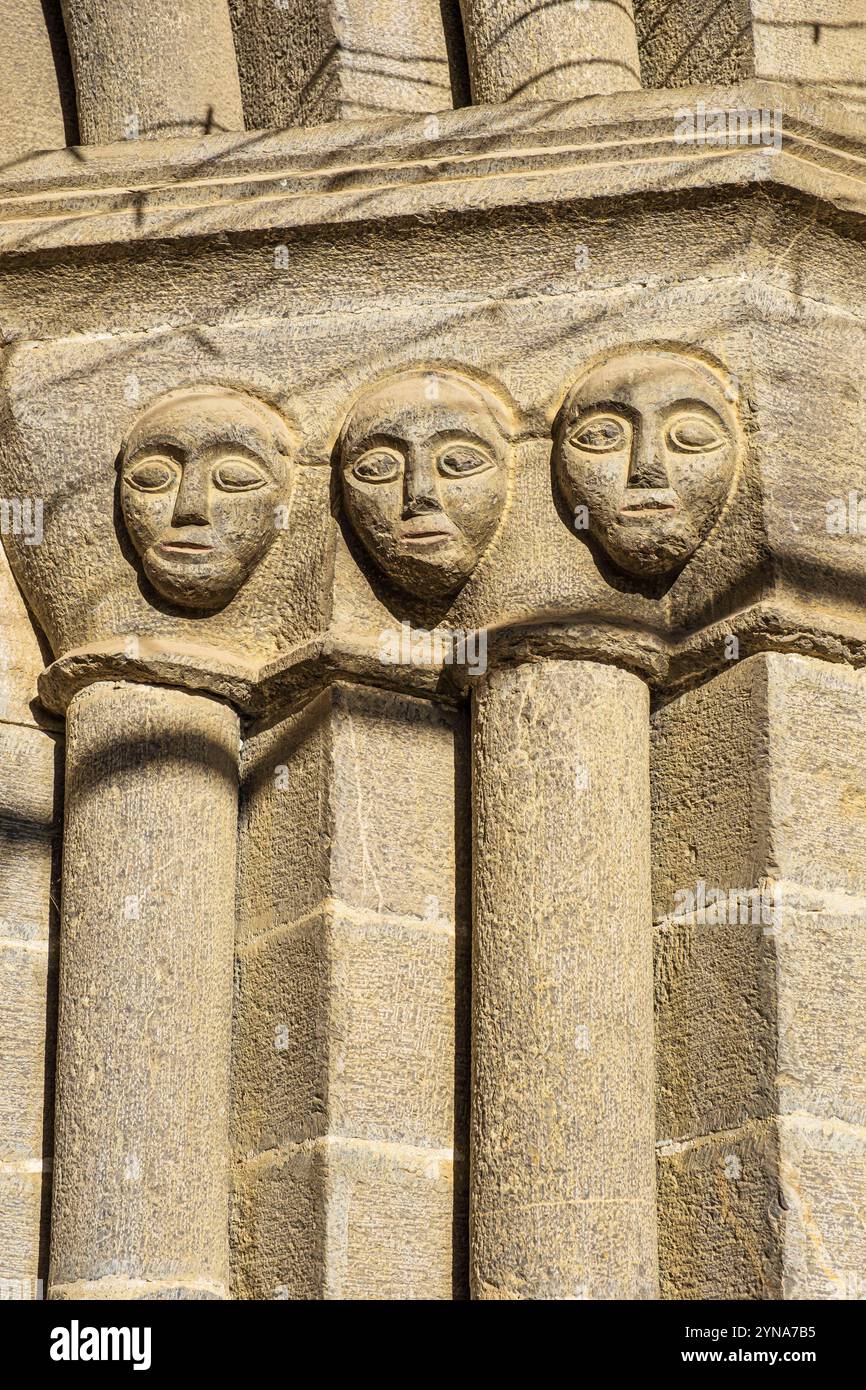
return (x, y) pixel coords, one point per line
(37, 97)
(144, 1029)
(562, 1187)
(521, 51)
(153, 71)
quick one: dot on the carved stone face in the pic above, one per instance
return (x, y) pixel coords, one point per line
(649, 444)
(424, 468)
(202, 474)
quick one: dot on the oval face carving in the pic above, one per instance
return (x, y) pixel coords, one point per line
(424, 476)
(649, 444)
(202, 474)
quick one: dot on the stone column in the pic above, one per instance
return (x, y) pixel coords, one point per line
(37, 96)
(522, 51)
(31, 765)
(562, 1186)
(144, 1029)
(153, 71)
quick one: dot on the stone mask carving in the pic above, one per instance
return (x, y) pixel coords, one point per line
(649, 443)
(424, 472)
(202, 473)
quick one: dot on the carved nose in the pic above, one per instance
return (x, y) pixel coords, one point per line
(419, 487)
(191, 507)
(647, 467)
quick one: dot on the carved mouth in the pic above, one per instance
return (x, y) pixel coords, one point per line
(647, 506)
(419, 532)
(427, 537)
(185, 547)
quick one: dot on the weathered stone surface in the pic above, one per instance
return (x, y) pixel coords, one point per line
(758, 800)
(346, 1026)
(519, 51)
(716, 1021)
(37, 97)
(821, 973)
(148, 74)
(340, 1219)
(351, 1064)
(720, 1223)
(352, 799)
(306, 61)
(563, 1198)
(710, 786)
(587, 274)
(822, 1176)
(30, 815)
(145, 996)
(25, 1200)
(784, 40)
(803, 41)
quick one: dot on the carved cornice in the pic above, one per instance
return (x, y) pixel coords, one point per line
(465, 160)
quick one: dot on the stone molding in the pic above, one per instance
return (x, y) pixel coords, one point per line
(464, 160)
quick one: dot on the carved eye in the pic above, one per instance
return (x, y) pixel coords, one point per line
(693, 434)
(377, 467)
(603, 435)
(236, 475)
(459, 461)
(152, 475)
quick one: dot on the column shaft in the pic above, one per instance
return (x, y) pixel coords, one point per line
(562, 1187)
(522, 51)
(153, 71)
(30, 774)
(144, 1029)
(37, 96)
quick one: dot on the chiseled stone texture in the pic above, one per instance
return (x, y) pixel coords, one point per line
(759, 786)
(302, 62)
(521, 51)
(721, 1228)
(30, 815)
(562, 1178)
(37, 96)
(144, 1023)
(351, 1005)
(784, 40)
(154, 72)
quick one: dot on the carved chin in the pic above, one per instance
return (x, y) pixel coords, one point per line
(202, 585)
(433, 575)
(657, 548)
